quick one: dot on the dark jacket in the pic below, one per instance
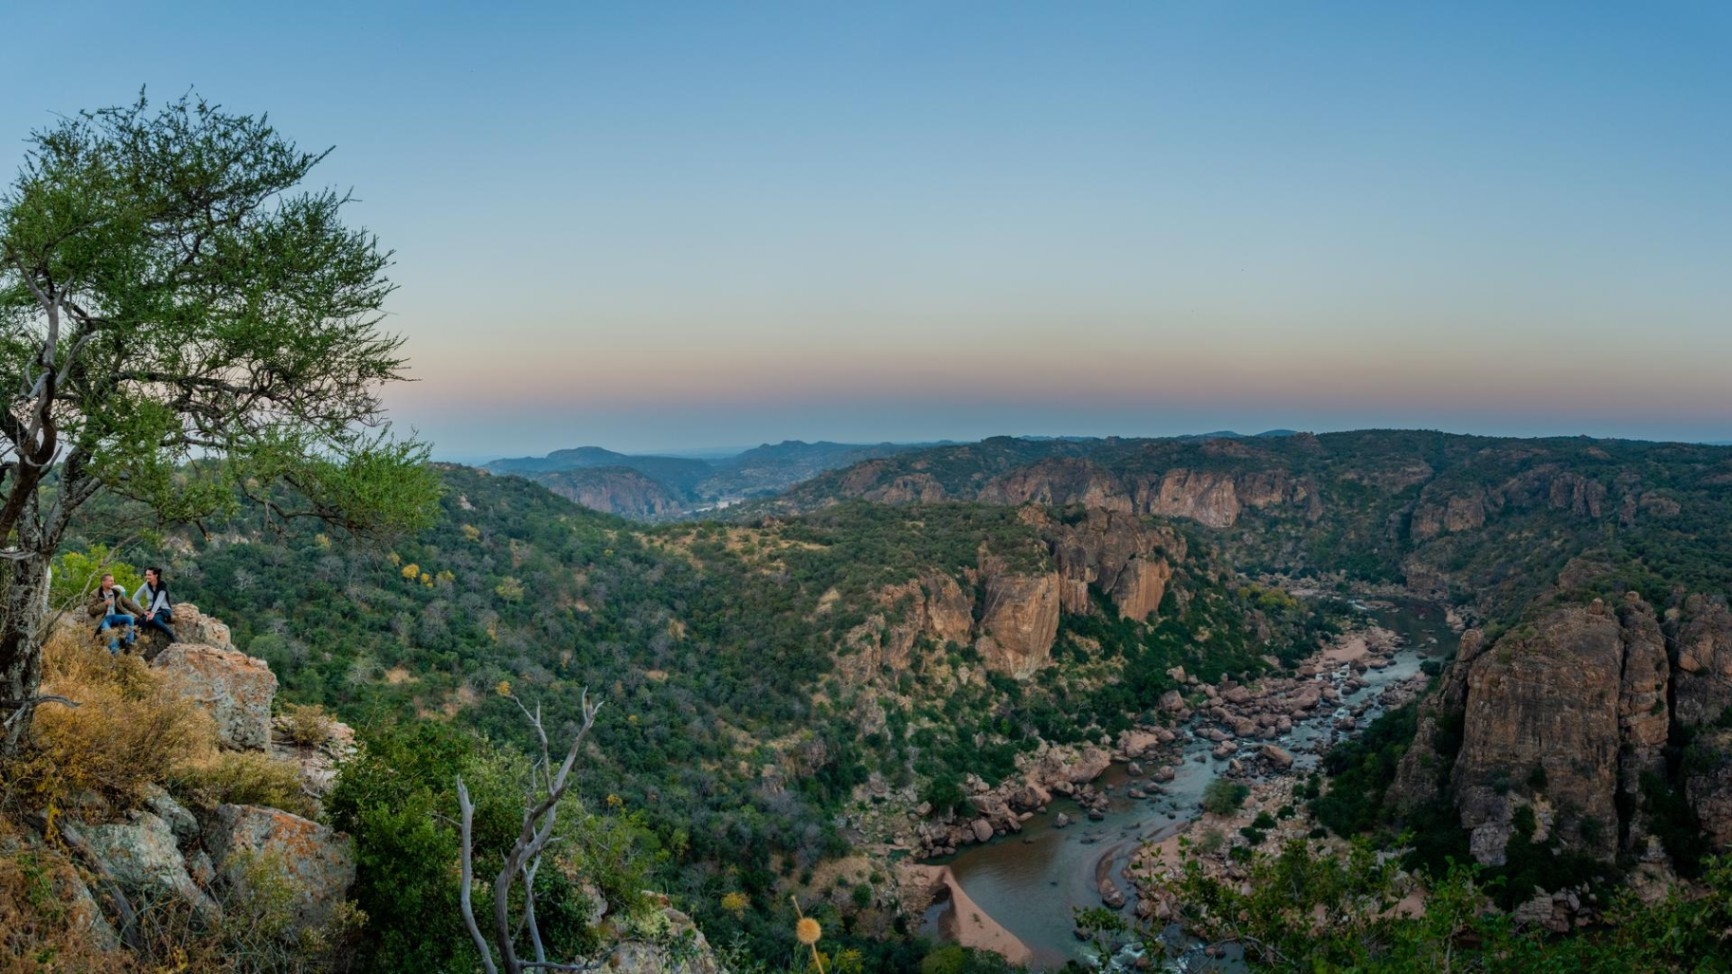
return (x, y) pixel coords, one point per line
(98, 606)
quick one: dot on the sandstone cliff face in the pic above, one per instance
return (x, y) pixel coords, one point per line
(1018, 621)
(1214, 498)
(1419, 778)
(863, 480)
(614, 490)
(1644, 718)
(1708, 786)
(1448, 516)
(1704, 660)
(1059, 482)
(1568, 715)
(934, 606)
(1128, 560)
(1542, 728)
(1208, 498)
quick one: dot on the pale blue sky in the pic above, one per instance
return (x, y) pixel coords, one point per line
(654, 226)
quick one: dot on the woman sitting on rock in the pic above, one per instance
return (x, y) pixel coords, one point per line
(153, 595)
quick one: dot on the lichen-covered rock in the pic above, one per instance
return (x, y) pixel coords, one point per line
(193, 626)
(80, 911)
(142, 858)
(317, 763)
(180, 821)
(319, 862)
(236, 688)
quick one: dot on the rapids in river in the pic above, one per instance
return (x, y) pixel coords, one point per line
(1031, 882)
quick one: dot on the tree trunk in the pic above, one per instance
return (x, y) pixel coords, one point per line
(23, 626)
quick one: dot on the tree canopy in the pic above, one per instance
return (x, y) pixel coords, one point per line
(183, 325)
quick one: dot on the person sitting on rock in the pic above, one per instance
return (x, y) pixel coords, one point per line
(110, 604)
(153, 595)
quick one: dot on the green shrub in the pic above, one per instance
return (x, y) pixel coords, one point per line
(1223, 797)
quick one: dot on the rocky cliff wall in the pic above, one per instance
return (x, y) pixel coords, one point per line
(1569, 717)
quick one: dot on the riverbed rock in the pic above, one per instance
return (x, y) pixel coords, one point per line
(1111, 895)
(1277, 757)
(1061, 821)
(982, 830)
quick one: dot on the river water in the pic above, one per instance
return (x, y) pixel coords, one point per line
(1031, 882)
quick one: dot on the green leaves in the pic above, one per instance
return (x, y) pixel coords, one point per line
(178, 301)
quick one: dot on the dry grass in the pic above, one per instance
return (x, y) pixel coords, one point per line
(242, 778)
(309, 725)
(129, 729)
(44, 927)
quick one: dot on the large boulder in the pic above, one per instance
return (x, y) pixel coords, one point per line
(320, 863)
(235, 688)
(142, 858)
(193, 626)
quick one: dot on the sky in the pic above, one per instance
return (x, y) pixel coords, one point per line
(661, 227)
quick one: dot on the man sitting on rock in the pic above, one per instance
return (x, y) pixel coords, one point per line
(109, 602)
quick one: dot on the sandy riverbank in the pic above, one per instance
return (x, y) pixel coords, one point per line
(967, 923)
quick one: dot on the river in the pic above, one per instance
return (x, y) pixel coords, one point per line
(1030, 883)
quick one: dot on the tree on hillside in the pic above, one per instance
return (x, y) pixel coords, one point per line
(182, 326)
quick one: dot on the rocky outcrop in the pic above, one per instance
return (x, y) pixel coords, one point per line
(1541, 728)
(1060, 482)
(1451, 515)
(1212, 497)
(319, 862)
(934, 606)
(1018, 621)
(1708, 785)
(866, 481)
(235, 688)
(142, 858)
(1569, 717)
(1644, 720)
(1704, 677)
(1422, 774)
(613, 490)
(1119, 554)
(678, 946)
(1209, 498)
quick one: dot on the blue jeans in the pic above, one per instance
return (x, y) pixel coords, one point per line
(115, 620)
(160, 623)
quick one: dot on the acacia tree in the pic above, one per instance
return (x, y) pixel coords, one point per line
(182, 325)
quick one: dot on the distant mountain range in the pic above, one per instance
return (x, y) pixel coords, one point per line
(657, 487)
(654, 487)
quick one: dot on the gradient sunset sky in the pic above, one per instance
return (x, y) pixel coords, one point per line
(654, 226)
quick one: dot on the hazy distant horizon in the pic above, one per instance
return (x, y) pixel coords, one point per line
(712, 452)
